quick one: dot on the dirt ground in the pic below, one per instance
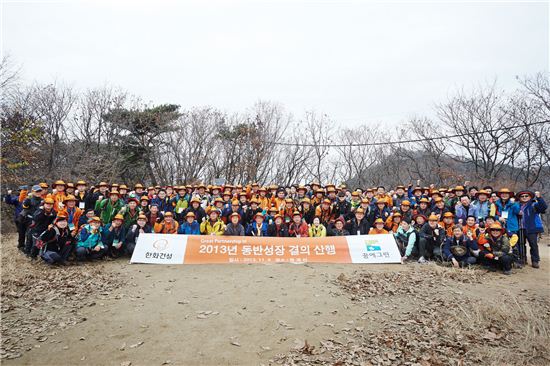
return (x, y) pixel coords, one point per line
(114, 313)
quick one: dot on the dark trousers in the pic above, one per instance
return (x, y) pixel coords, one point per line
(116, 253)
(84, 253)
(504, 262)
(22, 234)
(532, 239)
(429, 248)
(130, 247)
(30, 245)
(52, 257)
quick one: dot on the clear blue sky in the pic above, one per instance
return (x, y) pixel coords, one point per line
(357, 61)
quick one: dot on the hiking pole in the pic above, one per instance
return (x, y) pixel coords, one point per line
(521, 246)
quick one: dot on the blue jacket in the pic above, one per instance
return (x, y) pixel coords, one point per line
(190, 229)
(164, 205)
(109, 237)
(462, 213)
(512, 224)
(531, 220)
(471, 245)
(89, 240)
(483, 209)
(14, 200)
(251, 229)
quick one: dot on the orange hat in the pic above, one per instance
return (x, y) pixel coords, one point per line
(296, 213)
(218, 199)
(438, 199)
(69, 198)
(505, 190)
(190, 214)
(360, 211)
(195, 199)
(327, 201)
(405, 203)
(49, 200)
(458, 188)
(279, 216)
(355, 194)
(123, 186)
(254, 200)
(235, 214)
(94, 218)
(448, 214)
(118, 217)
(433, 218)
(43, 185)
(378, 221)
(301, 188)
(59, 183)
(62, 216)
(424, 200)
(273, 209)
(382, 200)
(114, 192)
(482, 191)
(365, 200)
(144, 198)
(168, 214)
(258, 214)
(289, 200)
(81, 183)
(397, 214)
(139, 185)
(496, 226)
(306, 200)
(103, 184)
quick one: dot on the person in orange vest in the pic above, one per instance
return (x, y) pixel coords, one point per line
(72, 212)
(168, 225)
(378, 227)
(392, 222)
(58, 195)
(447, 223)
(262, 198)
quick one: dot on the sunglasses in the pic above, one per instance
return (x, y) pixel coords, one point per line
(524, 195)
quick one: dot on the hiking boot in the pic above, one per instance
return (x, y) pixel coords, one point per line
(535, 265)
(507, 273)
(422, 260)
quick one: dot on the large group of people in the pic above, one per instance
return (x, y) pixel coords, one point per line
(461, 225)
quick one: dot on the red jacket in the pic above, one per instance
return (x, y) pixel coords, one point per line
(302, 230)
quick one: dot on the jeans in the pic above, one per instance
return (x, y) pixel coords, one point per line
(52, 257)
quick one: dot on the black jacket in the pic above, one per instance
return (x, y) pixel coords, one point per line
(363, 227)
(282, 232)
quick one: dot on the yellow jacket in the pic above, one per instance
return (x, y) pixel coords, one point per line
(208, 229)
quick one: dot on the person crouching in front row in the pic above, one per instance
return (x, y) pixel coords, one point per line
(140, 227)
(90, 244)
(57, 241)
(460, 249)
(495, 249)
(114, 235)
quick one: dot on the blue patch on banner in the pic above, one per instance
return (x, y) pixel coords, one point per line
(373, 248)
